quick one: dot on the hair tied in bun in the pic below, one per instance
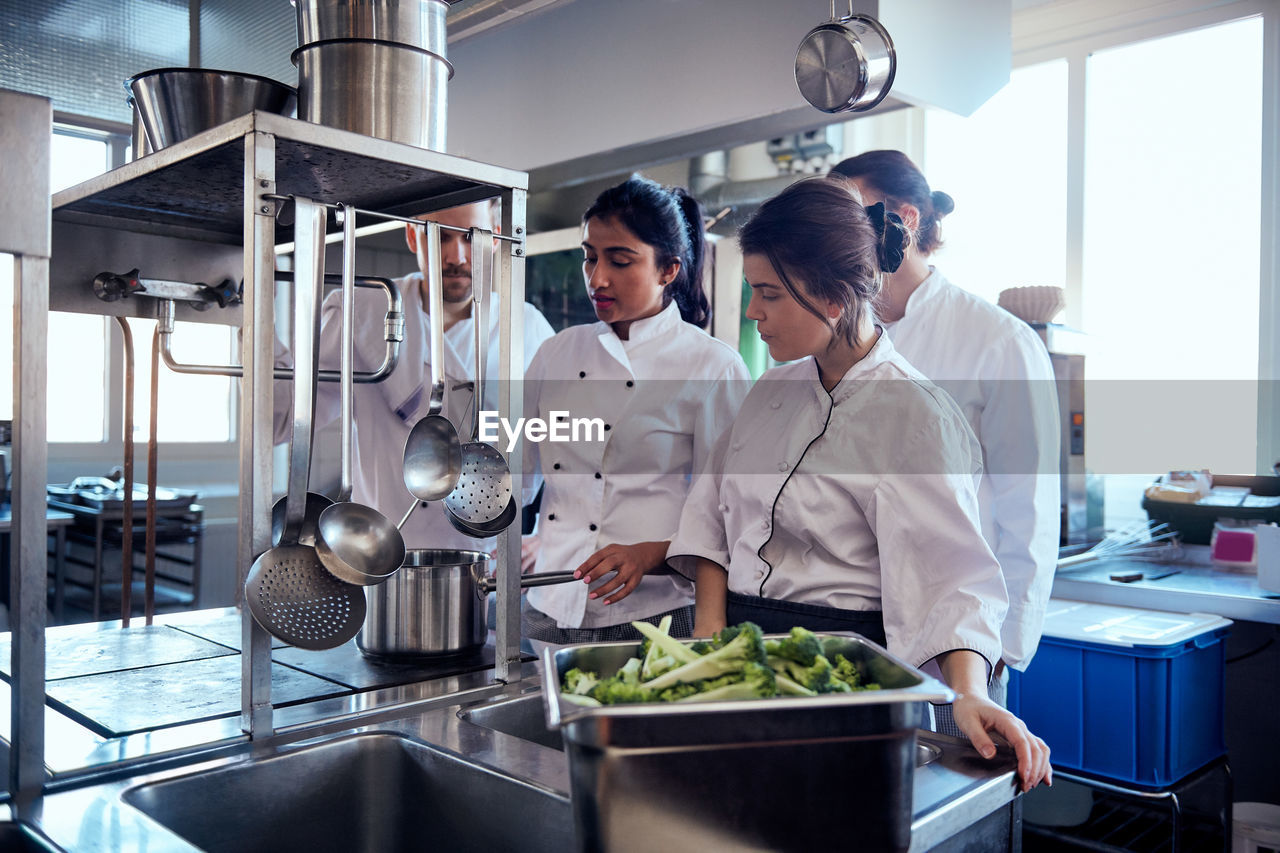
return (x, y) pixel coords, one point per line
(891, 244)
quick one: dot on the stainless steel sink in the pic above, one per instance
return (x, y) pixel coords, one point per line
(363, 792)
(525, 718)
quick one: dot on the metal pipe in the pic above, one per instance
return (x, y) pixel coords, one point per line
(126, 521)
(393, 334)
(390, 216)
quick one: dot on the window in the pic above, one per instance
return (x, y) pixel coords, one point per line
(1171, 252)
(1006, 168)
(82, 355)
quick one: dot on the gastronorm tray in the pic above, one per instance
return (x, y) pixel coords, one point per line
(747, 775)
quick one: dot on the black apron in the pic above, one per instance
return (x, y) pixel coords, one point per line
(775, 616)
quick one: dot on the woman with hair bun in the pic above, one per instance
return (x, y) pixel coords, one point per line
(664, 390)
(844, 495)
(998, 371)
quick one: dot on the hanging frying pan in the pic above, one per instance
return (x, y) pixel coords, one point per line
(847, 64)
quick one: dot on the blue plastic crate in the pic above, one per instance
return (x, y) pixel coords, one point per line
(1126, 694)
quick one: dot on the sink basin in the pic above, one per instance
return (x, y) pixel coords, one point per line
(525, 718)
(364, 792)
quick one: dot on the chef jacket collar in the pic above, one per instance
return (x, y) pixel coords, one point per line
(641, 331)
(880, 352)
(932, 283)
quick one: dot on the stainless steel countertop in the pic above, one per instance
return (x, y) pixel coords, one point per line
(950, 794)
(1198, 587)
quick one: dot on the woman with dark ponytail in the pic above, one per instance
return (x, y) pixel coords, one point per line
(998, 371)
(844, 496)
(663, 391)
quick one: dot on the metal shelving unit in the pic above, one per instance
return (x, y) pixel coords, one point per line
(204, 210)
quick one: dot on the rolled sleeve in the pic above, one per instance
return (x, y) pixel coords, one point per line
(702, 524)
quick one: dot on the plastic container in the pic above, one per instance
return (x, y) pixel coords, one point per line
(1195, 520)
(1126, 694)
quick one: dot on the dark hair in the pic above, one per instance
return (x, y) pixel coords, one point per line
(895, 177)
(818, 231)
(669, 220)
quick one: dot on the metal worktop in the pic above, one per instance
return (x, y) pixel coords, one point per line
(951, 794)
(1197, 587)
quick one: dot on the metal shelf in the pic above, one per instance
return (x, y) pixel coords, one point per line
(196, 188)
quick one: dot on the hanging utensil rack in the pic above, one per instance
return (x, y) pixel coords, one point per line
(204, 210)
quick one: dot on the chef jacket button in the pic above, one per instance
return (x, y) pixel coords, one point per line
(782, 466)
(591, 527)
(608, 427)
(722, 508)
(764, 525)
(737, 445)
(775, 405)
(630, 384)
(556, 466)
(759, 573)
(582, 374)
(597, 475)
(551, 517)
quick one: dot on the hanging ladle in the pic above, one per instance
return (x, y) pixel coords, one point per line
(432, 453)
(481, 502)
(288, 590)
(355, 542)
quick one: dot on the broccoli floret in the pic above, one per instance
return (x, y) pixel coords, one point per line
(616, 690)
(801, 646)
(579, 682)
(747, 646)
(630, 671)
(845, 671)
(701, 647)
(755, 681)
(666, 644)
(677, 692)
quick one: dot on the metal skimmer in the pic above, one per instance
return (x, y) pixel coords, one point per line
(483, 492)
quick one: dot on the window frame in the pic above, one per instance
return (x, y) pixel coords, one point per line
(178, 455)
(1041, 34)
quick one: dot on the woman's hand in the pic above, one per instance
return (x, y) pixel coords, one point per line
(976, 715)
(529, 547)
(628, 563)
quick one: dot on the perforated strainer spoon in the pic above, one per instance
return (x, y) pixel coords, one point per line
(288, 590)
(479, 504)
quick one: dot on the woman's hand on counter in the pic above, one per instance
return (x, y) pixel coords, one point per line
(628, 564)
(975, 714)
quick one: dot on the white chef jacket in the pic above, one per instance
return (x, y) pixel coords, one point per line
(666, 394)
(386, 412)
(861, 499)
(998, 371)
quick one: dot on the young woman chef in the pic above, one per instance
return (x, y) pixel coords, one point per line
(844, 494)
(664, 389)
(996, 368)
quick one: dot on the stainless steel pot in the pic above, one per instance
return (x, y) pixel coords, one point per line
(391, 91)
(847, 64)
(434, 605)
(429, 607)
(418, 23)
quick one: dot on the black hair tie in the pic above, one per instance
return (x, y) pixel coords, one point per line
(891, 242)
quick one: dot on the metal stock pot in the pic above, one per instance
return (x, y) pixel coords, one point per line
(434, 605)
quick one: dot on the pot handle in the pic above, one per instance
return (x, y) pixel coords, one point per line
(485, 585)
